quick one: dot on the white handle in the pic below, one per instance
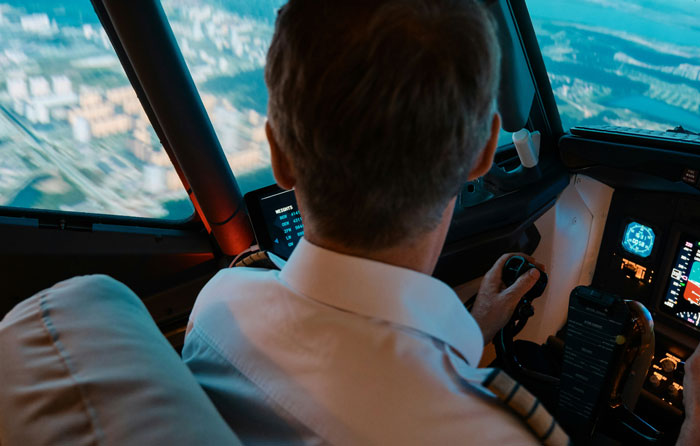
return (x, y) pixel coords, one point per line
(528, 146)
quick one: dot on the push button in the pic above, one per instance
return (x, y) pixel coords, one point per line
(654, 381)
(668, 365)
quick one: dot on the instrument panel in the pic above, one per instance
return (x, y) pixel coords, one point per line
(682, 297)
(638, 239)
(650, 252)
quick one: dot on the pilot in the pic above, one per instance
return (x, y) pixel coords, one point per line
(379, 111)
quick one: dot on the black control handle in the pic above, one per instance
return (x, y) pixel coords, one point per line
(515, 267)
(624, 425)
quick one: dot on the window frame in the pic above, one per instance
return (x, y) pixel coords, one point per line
(544, 113)
(142, 38)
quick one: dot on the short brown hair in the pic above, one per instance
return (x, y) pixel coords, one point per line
(382, 107)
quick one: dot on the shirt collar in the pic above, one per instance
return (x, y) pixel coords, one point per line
(379, 290)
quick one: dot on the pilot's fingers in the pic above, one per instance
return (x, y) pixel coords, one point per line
(497, 268)
(531, 260)
(521, 286)
(501, 262)
(493, 275)
(534, 262)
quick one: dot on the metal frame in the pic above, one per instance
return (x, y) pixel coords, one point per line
(545, 113)
(143, 39)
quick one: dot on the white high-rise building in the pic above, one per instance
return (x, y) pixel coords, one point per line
(17, 87)
(39, 86)
(37, 113)
(236, 43)
(62, 85)
(197, 33)
(154, 179)
(223, 64)
(81, 129)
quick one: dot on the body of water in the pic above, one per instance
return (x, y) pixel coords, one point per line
(659, 110)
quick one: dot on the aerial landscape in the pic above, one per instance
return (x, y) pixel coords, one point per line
(74, 137)
(73, 134)
(622, 63)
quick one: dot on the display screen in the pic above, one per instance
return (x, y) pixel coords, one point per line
(682, 298)
(282, 221)
(638, 239)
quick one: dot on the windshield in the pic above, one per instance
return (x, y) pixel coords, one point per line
(224, 43)
(622, 63)
(73, 134)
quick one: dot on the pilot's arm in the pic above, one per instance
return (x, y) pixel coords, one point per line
(690, 431)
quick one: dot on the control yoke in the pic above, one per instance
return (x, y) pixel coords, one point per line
(515, 267)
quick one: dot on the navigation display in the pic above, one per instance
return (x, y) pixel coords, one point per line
(682, 298)
(638, 239)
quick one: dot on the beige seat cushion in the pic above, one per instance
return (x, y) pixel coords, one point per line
(83, 363)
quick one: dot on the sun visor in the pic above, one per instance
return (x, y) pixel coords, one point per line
(517, 89)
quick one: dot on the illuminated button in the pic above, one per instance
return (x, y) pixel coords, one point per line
(633, 269)
(654, 380)
(673, 391)
(690, 176)
(668, 365)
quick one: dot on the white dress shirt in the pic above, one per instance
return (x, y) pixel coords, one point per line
(335, 349)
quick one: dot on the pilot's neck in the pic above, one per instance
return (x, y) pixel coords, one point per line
(420, 254)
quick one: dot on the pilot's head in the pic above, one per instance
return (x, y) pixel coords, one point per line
(379, 111)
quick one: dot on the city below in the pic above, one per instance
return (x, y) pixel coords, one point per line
(74, 137)
(73, 134)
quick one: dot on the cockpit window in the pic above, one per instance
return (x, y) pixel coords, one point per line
(224, 43)
(622, 63)
(73, 134)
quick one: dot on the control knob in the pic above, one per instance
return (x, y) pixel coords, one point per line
(668, 365)
(654, 381)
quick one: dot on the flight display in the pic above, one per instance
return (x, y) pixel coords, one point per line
(682, 298)
(283, 222)
(638, 239)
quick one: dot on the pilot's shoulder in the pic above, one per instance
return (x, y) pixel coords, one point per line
(235, 285)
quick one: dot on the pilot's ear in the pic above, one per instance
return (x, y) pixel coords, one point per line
(281, 167)
(485, 159)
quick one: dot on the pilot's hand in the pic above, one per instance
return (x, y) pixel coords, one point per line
(495, 304)
(691, 401)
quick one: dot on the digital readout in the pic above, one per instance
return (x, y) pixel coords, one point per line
(682, 298)
(638, 239)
